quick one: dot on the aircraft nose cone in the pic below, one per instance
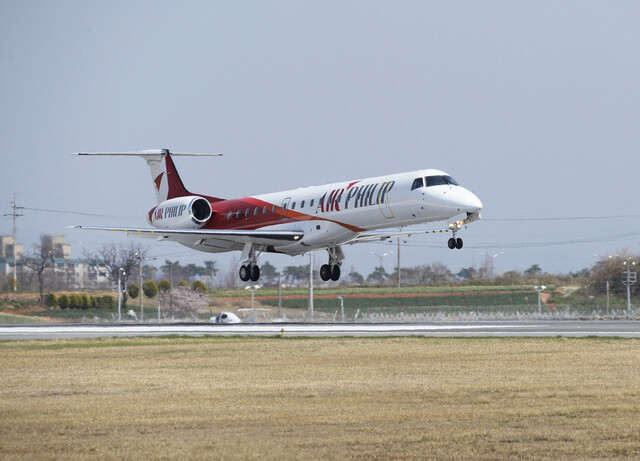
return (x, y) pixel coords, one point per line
(474, 205)
(466, 201)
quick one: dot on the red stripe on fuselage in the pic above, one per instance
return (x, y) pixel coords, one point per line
(255, 221)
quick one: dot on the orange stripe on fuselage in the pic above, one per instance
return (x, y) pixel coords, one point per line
(252, 222)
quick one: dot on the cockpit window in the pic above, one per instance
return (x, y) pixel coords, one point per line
(435, 181)
(418, 182)
(440, 181)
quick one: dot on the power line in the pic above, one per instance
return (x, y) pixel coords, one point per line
(72, 212)
(567, 218)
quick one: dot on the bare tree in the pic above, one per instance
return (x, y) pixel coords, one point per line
(39, 260)
(110, 258)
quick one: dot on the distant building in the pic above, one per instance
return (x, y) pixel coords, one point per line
(56, 245)
(8, 246)
(67, 273)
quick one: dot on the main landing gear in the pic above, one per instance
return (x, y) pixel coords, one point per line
(248, 272)
(331, 271)
(250, 269)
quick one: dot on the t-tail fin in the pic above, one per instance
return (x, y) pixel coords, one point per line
(165, 177)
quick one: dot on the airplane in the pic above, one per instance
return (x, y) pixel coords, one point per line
(297, 221)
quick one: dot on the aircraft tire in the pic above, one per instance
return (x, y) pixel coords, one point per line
(325, 272)
(459, 243)
(451, 243)
(244, 273)
(335, 273)
(255, 273)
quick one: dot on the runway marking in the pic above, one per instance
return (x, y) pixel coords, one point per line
(542, 329)
(237, 329)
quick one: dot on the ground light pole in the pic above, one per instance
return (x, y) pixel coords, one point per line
(310, 285)
(121, 272)
(253, 288)
(539, 289)
(628, 279)
(382, 256)
(341, 298)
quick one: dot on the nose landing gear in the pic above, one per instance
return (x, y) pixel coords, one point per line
(454, 243)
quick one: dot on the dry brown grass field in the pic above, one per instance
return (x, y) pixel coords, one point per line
(348, 398)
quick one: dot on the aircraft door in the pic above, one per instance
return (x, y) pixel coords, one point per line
(286, 203)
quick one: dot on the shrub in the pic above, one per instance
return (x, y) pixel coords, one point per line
(183, 284)
(164, 286)
(85, 303)
(150, 288)
(133, 290)
(63, 301)
(199, 286)
(107, 302)
(50, 300)
(75, 301)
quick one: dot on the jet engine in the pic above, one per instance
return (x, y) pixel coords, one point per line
(190, 212)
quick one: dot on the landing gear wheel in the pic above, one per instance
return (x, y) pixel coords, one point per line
(451, 243)
(335, 273)
(244, 273)
(458, 243)
(325, 272)
(255, 273)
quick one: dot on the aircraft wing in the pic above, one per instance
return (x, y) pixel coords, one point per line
(373, 235)
(377, 235)
(195, 236)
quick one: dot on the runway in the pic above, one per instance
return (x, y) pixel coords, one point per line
(523, 329)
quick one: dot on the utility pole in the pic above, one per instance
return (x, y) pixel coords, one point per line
(310, 284)
(120, 274)
(279, 297)
(628, 279)
(15, 215)
(399, 262)
(140, 292)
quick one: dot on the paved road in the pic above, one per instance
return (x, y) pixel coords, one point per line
(626, 329)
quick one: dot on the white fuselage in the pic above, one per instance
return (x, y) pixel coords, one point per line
(336, 213)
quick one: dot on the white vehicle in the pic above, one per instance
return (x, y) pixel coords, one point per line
(301, 220)
(225, 317)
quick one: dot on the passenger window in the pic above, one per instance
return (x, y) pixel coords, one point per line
(275, 207)
(293, 206)
(417, 183)
(311, 203)
(265, 209)
(302, 204)
(230, 215)
(247, 213)
(256, 211)
(238, 214)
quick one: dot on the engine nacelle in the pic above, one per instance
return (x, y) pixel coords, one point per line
(181, 213)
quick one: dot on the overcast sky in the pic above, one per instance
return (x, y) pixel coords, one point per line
(534, 106)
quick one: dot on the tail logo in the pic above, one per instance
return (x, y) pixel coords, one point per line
(158, 180)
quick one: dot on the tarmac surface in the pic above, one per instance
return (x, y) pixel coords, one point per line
(520, 329)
